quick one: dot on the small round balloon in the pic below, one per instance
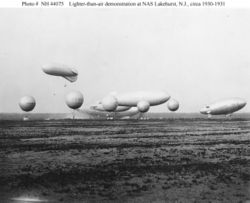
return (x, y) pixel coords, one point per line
(173, 105)
(27, 103)
(143, 106)
(74, 100)
(109, 103)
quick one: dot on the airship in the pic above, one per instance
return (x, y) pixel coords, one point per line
(142, 100)
(27, 103)
(224, 107)
(64, 71)
(99, 107)
(96, 114)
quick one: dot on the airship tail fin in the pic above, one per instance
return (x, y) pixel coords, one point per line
(71, 78)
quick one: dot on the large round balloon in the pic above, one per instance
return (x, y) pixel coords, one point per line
(109, 103)
(143, 106)
(27, 103)
(74, 100)
(173, 105)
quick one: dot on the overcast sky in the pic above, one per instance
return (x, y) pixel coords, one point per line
(196, 55)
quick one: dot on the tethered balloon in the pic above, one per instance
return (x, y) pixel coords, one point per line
(27, 103)
(74, 100)
(173, 105)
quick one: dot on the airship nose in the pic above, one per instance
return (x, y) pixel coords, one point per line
(164, 96)
(45, 68)
(243, 103)
(74, 71)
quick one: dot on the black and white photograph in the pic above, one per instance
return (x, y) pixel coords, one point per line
(125, 101)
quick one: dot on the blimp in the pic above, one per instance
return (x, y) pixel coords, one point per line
(61, 70)
(143, 100)
(224, 107)
(99, 107)
(93, 113)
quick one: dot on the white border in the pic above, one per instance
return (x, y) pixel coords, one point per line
(66, 3)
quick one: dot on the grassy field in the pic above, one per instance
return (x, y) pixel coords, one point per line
(169, 160)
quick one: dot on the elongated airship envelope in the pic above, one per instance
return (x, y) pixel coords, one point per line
(99, 107)
(224, 107)
(64, 71)
(142, 100)
(74, 99)
(132, 98)
(27, 103)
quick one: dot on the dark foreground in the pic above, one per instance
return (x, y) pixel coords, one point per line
(173, 160)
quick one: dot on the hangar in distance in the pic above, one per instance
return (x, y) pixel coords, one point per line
(61, 70)
(224, 107)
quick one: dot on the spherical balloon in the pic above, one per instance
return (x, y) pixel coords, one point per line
(143, 106)
(74, 100)
(27, 103)
(109, 103)
(173, 105)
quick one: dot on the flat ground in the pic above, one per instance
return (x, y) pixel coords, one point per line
(172, 160)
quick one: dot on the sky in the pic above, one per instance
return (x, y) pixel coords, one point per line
(196, 55)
